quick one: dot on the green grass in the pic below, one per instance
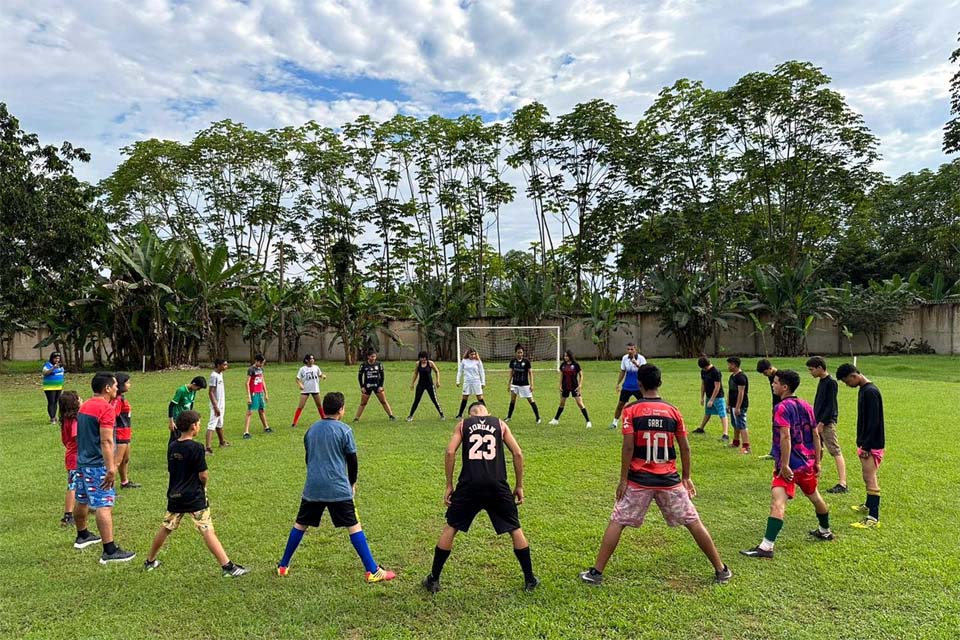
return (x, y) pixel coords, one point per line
(901, 581)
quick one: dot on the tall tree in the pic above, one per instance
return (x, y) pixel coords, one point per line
(951, 132)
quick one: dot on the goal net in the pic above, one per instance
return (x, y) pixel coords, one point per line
(496, 346)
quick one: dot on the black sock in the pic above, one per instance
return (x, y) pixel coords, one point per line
(439, 557)
(228, 566)
(873, 506)
(463, 405)
(536, 411)
(481, 401)
(109, 547)
(513, 404)
(523, 556)
(559, 411)
(67, 514)
(586, 416)
(83, 533)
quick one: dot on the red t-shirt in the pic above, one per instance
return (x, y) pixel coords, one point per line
(655, 425)
(68, 436)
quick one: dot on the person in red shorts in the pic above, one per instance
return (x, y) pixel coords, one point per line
(652, 431)
(796, 459)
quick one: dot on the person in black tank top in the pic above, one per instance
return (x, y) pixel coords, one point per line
(482, 486)
(423, 374)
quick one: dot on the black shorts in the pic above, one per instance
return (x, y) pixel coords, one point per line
(369, 391)
(566, 393)
(625, 395)
(498, 502)
(309, 393)
(342, 514)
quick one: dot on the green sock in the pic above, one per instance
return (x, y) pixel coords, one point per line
(773, 528)
(824, 520)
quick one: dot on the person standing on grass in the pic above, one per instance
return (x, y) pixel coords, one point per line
(711, 397)
(257, 395)
(331, 457)
(870, 441)
(796, 454)
(482, 486)
(571, 383)
(187, 494)
(423, 376)
(652, 432)
(627, 385)
(308, 379)
(96, 421)
(183, 399)
(521, 383)
(739, 387)
(372, 377)
(123, 432)
(826, 412)
(53, 379)
(216, 391)
(69, 406)
(470, 370)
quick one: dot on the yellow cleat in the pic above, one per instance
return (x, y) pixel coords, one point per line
(866, 523)
(859, 508)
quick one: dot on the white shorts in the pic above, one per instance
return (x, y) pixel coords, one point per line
(523, 392)
(472, 389)
(215, 422)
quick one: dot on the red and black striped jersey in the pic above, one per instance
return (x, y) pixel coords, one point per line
(655, 425)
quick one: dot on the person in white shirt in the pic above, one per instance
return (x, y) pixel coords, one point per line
(308, 378)
(218, 403)
(470, 370)
(627, 384)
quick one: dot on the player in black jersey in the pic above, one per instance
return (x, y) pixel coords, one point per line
(521, 383)
(482, 486)
(371, 378)
(423, 377)
(571, 381)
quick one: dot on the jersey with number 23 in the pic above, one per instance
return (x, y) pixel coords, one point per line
(482, 458)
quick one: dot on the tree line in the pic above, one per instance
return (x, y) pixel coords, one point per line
(755, 201)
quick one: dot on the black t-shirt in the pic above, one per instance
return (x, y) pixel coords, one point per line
(483, 462)
(371, 375)
(870, 417)
(825, 402)
(739, 379)
(568, 375)
(775, 397)
(520, 372)
(185, 462)
(710, 378)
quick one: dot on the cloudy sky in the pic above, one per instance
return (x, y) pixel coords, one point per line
(103, 74)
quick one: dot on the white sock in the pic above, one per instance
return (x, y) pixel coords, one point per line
(766, 545)
(822, 530)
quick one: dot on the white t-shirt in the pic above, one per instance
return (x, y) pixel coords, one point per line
(310, 377)
(471, 372)
(216, 382)
(630, 381)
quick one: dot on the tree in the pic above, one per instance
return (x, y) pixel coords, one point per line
(951, 132)
(601, 321)
(792, 298)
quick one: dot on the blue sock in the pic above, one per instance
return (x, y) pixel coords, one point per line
(296, 535)
(359, 542)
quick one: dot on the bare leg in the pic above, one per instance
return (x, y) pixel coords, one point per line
(246, 422)
(364, 398)
(382, 397)
(519, 540)
(317, 401)
(263, 418)
(213, 543)
(158, 541)
(123, 457)
(208, 438)
(611, 538)
(726, 428)
(705, 542)
(446, 538)
(68, 502)
(104, 517)
(80, 512)
(841, 469)
(616, 414)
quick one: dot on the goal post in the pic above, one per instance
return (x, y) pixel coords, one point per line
(496, 345)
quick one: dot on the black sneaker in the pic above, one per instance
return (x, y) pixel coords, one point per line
(531, 585)
(150, 566)
(757, 552)
(247, 436)
(67, 520)
(591, 577)
(837, 488)
(84, 541)
(119, 555)
(723, 576)
(820, 535)
(393, 418)
(431, 584)
(724, 438)
(698, 430)
(235, 571)
(268, 430)
(136, 485)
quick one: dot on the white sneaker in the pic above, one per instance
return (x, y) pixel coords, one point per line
(613, 425)
(507, 420)
(539, 421)
(554, 421)
(589, 425)
(409, 418)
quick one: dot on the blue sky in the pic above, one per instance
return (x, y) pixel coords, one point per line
(105, 74)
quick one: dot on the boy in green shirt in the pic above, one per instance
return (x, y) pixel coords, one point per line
(183, 401)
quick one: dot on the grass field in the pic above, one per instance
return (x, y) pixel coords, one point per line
(902, 581)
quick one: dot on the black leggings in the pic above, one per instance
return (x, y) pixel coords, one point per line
(433, 397)
(53, 403)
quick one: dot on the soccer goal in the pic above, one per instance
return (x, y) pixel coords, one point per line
(541, 345)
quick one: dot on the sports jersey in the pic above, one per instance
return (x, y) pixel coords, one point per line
(95, 414)
(122, 409)
(631, 367)
(310, 377)
(482, 458)
(655, 425)
(710, 377)
(53, 375)
(255, 379)
(471, 371)
(870, 428)
(215, 382)
(568, 375)
(739, 379)
(825, 403)
(371, 376)
(182, 401)
(68, 436)
(520, 372)
(796, 414)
